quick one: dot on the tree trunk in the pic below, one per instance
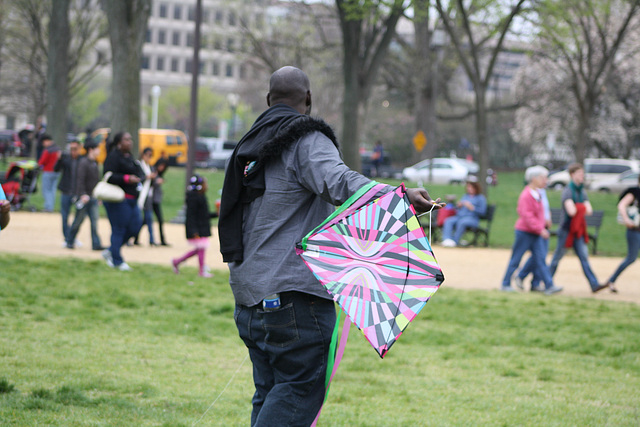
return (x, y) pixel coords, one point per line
(58, 72)
(127, 28)
(351, 102)
(481, 134)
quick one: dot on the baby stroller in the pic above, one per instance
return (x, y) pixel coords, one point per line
(20, 182)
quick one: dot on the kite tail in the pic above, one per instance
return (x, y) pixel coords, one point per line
(335, 356)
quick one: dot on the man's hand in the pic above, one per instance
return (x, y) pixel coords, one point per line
(421, 201)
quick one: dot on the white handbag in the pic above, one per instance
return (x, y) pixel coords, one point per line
(632, 213)
(108, 192)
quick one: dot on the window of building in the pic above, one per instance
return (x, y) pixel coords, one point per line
(145, 62)
(217, 43)
(230, 44)
(162, 11)
(219, 17)
(175, 65)
(191, 13)
(188, 66)
(215, 68)
(201, 68)
(162, 37)
(243, 72)
(160, 63)
(177, 12)
(176, 38)
(190, 39)
(229, 72)
(232, 19)
(147, 36)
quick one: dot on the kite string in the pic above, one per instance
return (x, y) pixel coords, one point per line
(223, 390)
(429, 212)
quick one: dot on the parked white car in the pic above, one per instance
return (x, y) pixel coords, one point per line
(617, 184)
(595, 170)
(445, 171)
(220, 150)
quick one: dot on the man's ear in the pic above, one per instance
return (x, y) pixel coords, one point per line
(307, 102)
(269, 99)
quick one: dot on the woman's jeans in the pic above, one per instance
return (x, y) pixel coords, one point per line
(49, 183)
(454, 226)
(581, 250)
(528, 242)
(633, 246)
(529, 267)
(125, 222)
(289, 349)
(90, 208)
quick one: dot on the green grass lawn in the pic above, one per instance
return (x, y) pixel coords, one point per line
(84, 345)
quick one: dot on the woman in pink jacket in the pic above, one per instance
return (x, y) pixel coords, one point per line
(531, 230)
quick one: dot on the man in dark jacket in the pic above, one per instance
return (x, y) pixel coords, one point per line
(87, 176)
(284, 178)
(68, 165)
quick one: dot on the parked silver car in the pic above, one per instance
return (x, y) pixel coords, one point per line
(444, 171)
(617, 184)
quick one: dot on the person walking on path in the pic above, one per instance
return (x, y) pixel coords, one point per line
(87, 177)
(630, 197)
(529, 266)
(283, 179)
(197, 224)
(470, 208)
(531, 231)
(67, 165)
(145, 199)
(124, 216)
(161, 167)
(47, 162)
(573, 226)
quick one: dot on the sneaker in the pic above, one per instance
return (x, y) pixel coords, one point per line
(448, 243)
(110, 263)
(507, 289)
(519, 283)
(77, 243)
(174, 264)
(124, 267)
(599, 288)
(552, 290)
(106, 254)
(537, 289)
(206, 274)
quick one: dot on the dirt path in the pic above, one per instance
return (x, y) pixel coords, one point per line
(464, 268)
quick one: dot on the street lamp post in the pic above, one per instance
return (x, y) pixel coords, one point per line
(155, 94)
(233, 99)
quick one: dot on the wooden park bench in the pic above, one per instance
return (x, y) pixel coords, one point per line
(472, 235)
(594, 222)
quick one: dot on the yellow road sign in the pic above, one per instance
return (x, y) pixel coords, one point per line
(419, 140)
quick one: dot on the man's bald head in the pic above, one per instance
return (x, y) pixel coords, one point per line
(290, 86)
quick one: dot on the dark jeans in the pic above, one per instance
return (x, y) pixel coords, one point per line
(529, 267)
(91, 209)
(125, 222)
(65, 208)
(157, 209)
(289, 350)
(528, 242)
(581, 250)
(633, 247)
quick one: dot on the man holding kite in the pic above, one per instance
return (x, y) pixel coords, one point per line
(284, 178)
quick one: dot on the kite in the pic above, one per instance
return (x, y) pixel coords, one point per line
(374, 259)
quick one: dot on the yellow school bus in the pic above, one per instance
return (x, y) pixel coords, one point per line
(169, 143)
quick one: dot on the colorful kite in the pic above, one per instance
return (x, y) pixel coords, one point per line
(375, 260)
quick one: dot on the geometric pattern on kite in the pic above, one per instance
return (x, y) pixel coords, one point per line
(377, 264)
